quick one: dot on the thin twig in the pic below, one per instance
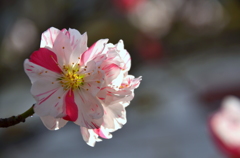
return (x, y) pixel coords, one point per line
(11, 121)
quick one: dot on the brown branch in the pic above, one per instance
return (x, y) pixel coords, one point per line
(11, 121)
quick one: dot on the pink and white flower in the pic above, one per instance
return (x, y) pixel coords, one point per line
(88, 86)
(225, 127)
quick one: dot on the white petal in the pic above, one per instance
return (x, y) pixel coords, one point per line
(53, 123)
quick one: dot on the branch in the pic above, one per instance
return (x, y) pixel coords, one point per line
(11, 121)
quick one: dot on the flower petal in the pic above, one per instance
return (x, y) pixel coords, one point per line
(53, 123)
(71, 107)
(45, 58)
(95, 78)
(49, 98)
(89, 136)
(124, 55)
(114, 116)
(90, 110)
(36, 72)
(63, 49)
(78, 43)
(49, 37)
(102, 132)
(112, 71)
(94, 51)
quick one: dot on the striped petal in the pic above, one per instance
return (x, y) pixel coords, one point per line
(49, 98)
(49, 37)
(36, 72)
(90, 110)
(95, 50)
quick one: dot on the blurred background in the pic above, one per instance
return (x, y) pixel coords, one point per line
(188, 52)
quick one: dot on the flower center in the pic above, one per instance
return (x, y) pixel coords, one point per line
(71, 78)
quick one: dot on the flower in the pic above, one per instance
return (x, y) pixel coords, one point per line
(88, 86)
(225, 127)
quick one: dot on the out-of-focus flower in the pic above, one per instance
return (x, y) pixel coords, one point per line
(225, 127)
(204, 16)
(127, 5)
(149, 49)
(154, 18)
(71, 82)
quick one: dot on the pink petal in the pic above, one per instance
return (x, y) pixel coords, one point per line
(71, 107)
(45, 58)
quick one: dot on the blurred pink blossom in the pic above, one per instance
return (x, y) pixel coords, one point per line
(225, 127)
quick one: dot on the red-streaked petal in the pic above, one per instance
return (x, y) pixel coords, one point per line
(53, 123)
(49, 98)
(45, 58)
(71, 107)
(95, 50)
(48, 37)
(112, 71)
(89, 108)
(78, 43)
(36, 72)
